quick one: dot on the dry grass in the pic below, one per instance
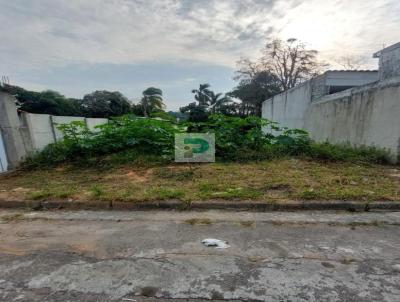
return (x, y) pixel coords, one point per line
(277, 180)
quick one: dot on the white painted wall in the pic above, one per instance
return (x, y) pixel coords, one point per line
(40, 130)
(57, 120)
(367, 115)
(91, 123)
(289, 108)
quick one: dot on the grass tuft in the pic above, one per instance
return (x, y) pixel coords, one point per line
(199, 221)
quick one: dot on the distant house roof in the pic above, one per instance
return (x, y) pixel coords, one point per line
(390, 48)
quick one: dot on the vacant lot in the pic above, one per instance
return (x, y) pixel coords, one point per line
(278, 180)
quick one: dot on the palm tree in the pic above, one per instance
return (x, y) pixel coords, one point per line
(152, 99)
(202, 95)
(217, 101)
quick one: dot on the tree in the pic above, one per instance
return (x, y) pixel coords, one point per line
(160, 114)
(105, 104)
(202, 95)
(218, 101)
(137, 109)
(197, 113)
(152, 99)
(206, 102)
(255, 86)
(351, 62)
(283, 65)
(290, 61)
(45, 102)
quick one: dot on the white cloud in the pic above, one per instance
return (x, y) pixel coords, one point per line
(47, 33)
(52, 32)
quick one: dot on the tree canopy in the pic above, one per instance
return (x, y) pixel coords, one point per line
(96, 104)
(46, 102)
(152, 100)
(283, 65)
(102, 103)
(207, 102)
(290, 61)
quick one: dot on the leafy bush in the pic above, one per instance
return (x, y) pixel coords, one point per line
(244, 138)
(143, 141)
(125, 136)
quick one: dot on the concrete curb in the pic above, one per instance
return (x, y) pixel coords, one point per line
(260, 206)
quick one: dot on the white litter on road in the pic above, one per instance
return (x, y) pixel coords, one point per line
(218, 244)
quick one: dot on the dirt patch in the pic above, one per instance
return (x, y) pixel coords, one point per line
(83, 247)
(131, 175)
(135, 176)
(12, 251)
(14, 195)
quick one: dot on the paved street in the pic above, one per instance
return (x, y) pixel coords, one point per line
(158, 256)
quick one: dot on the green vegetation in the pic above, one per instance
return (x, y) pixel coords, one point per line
(199, 221)
(244, 138)
(128, 138)
(272, 180)
(152, 100)
(130, 159)
(105, 104)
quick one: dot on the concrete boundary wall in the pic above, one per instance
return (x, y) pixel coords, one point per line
(10, 129)
(40, 131)
(24, 133)
(43, 128)
(92, 123)
(289, 107)
(367, 115)
(59, 120)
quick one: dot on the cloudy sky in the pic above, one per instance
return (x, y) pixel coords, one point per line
(77, 46)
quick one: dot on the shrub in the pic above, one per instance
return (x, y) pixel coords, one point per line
(126, 136)
(327, 151)
(143, 141)
(244, 138)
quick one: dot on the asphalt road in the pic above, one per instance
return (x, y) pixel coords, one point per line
(158, 256)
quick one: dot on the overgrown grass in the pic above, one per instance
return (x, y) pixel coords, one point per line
(269, 181)
(131, 160)
(347, 153)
